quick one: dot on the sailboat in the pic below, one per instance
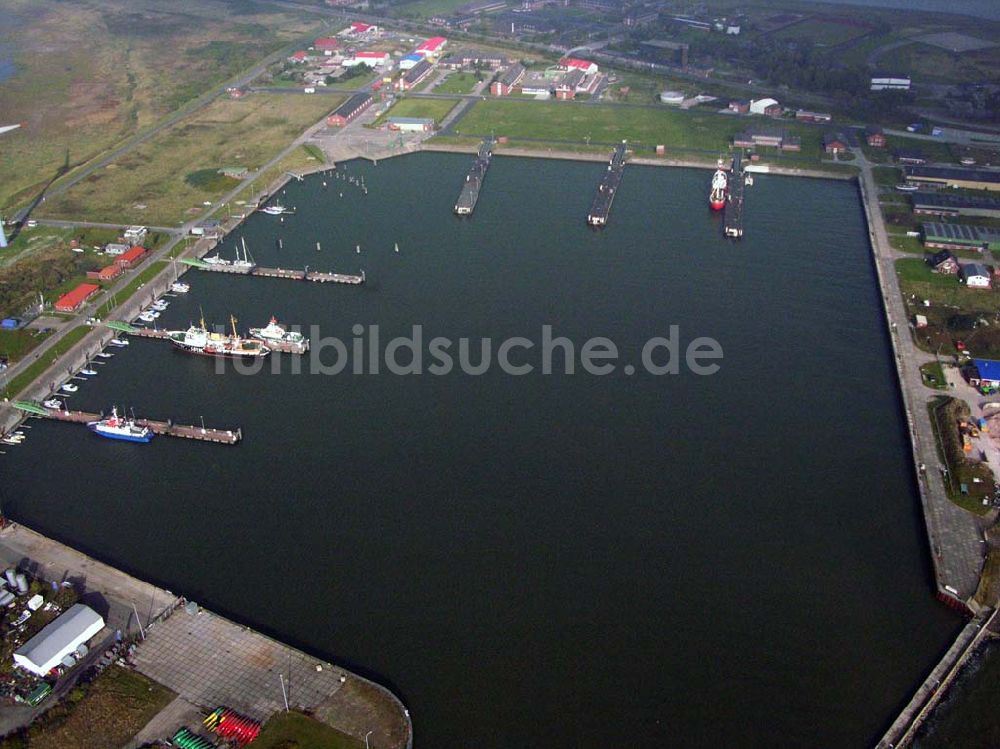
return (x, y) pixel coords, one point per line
(396, 247)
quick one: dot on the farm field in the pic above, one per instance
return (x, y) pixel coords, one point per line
(823, 32)
(141, 62)
(166, 180)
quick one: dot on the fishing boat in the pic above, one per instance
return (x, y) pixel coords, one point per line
(720, 184)
(275, 332)
(197, 339)
(117, 428)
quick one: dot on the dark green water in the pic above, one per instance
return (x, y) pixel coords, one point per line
(570, 561)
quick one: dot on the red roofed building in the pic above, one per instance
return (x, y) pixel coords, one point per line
(360, 28)
(432, 46)
(326, 44)
(572, 63)
(132, 257)
(71, 302)
(299, 56)
(108, 273)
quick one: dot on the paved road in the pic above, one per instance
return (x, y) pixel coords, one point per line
(957, 545)
(98, 225)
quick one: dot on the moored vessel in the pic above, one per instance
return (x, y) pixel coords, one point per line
(117, 428)
(197, 339)
(720, 184)
(273, 331)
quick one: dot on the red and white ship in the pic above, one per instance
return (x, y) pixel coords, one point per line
(720, 186)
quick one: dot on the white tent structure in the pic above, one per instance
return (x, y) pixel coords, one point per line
(45, 651)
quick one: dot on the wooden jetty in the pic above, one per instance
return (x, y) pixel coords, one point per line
(600, 208)
(285, 347)
(166, 428)
(293, 275)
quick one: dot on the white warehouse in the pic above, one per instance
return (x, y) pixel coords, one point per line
(59, 638)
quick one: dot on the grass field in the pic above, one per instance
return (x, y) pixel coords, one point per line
(107, 714)
(563, 122)
(17, 384)
(140, 61)
(933, 64)
(916, 277)
(427, 8)
(932, 374)
(297, 731)
(435, 108)
(458, 83)
(152, 185)
(823, 32)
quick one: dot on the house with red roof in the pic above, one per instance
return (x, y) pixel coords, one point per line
(299, 56)
(572, 63)
(326, 45)
(132, 257)
(432, 46)
(71, 301)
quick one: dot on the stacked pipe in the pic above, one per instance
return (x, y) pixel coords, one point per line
(187, 740)
(229, 724)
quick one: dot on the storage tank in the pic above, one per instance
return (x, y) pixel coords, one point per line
(22, 583)
(10, 575)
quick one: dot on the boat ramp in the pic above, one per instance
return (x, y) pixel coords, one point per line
(469, 194)
(601, 207)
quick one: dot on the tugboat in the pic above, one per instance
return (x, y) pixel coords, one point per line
(117, 428)
(720, 184)
(275, 332)
(198, 340)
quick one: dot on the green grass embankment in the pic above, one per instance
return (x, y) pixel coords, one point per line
(25, 378)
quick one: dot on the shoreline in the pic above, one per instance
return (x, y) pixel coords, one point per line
(21, 545)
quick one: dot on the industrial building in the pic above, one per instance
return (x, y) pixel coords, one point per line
(415, 75)
(960, 236)
(571, 63)
(73, 300)
(59, 640)
(507, 81)
(766, 106)
(350, 109)
(946, 204)
(411, 124)
(471, 58)
(984, 373)
(371, 59)
(107, 273)
(432, 47)
(131, 257)
(410, 61)
(890, 82)
(774, 137)
(970, 179)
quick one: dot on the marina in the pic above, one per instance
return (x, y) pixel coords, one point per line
(468, 196)
(600, 208)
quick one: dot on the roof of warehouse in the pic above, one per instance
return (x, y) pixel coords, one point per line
(989, 369)
(434, 43)
(954, 201)
(966, 232)
(953, 172)
(57, 636)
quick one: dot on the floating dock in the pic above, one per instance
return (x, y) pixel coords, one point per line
(166, 428)
(284, 347)
(733, 220)
(601, 207)
(469, 195)
(292, 275)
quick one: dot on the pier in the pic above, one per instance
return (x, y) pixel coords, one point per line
(285, 347)
(601, 207)
(292, 275)
(733, 219)
(166, 428)
(469, 195)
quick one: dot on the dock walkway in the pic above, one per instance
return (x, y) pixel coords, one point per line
(166, 428)
(292, 275)
(600, 208)
(733, 219)
(469, 194)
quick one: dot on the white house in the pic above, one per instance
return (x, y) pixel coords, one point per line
(975, 276)
(760, 106)
(59, 638)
